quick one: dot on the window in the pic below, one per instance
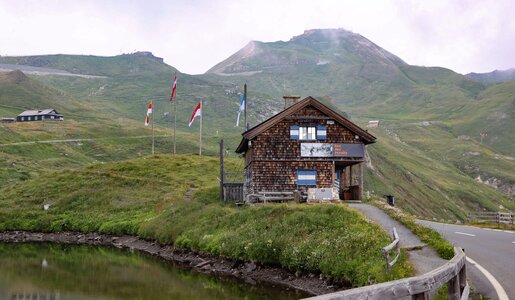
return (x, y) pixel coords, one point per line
(23, 118)
(308, 133)
(29, 118)
(306, 177)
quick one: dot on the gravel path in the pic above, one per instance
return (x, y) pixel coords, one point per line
(423, 260)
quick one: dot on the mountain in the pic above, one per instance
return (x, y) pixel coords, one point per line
(126, 64)
(351, 72)
(314, 47)
(19, 92)
(429, 153)
(494, 76)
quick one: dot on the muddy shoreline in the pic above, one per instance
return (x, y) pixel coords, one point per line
(249, 272)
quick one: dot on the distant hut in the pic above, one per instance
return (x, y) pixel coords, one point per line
(307, 146)
(39, 115)
(373, 124)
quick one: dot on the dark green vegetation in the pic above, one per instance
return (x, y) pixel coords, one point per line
(85, 272)
(428, 152)
(145, 197)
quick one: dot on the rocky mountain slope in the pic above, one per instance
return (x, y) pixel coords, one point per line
(494, 76)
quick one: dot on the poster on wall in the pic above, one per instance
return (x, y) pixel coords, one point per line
(316, 150)
(331, 150)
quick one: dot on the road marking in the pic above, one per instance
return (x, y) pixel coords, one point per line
(507, 231)
(469, 234)
(501, 293)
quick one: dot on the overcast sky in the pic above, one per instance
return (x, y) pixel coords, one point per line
(193, 35)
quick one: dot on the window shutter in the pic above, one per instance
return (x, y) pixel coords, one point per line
(294, 132)
(321, 133)
(307, 177)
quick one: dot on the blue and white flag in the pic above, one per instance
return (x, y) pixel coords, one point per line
(242, 108)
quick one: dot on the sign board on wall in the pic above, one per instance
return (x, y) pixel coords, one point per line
(331, 150)
(348, 150)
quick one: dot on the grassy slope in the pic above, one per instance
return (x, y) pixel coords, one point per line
(425, 183)
(404, 97)
(145, 197)
(493, 112)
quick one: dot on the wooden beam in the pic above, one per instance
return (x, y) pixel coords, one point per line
(361, 181)
(350, 176)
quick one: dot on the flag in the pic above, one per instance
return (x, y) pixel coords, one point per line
(242, 108)
(173, 88)
(149, 111)
(196, 113)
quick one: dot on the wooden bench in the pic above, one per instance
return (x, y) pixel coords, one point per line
(269, 196)
(276, 196)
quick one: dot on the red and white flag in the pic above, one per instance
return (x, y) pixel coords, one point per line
(173, 88)
(196, 113)
(149, 111)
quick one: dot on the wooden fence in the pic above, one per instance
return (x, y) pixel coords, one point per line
(418, 287)
(233, 192)
(386, 251)
(492, 217)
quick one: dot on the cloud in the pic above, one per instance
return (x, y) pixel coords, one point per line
(194, 35)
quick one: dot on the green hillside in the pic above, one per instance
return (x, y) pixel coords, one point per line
(425, 167)
(126, 64)
(430, 117)
(146, 197)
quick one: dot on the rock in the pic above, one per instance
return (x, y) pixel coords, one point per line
(250, 281)
(249, 267)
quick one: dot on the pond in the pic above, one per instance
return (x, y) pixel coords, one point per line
(53, 271)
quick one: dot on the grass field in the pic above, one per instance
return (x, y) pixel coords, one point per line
(145, 197)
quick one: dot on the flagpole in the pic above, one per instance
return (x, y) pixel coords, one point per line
(200, 143)
(174, 125)
(153, 111)
(174, 113)
(245, 126)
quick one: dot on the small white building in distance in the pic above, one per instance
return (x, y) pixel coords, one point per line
(373, 124)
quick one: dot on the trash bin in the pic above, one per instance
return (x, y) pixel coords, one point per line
(391, 200)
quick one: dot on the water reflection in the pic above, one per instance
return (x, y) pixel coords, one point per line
(43, 271)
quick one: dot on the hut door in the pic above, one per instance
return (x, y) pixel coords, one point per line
(338, 181)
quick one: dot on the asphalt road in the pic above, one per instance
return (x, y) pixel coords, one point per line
(493, 249)
(424, 260)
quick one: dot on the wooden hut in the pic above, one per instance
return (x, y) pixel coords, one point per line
(39, 115)
(305, 147)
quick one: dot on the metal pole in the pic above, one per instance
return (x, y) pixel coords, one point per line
(153, 111)
(222, 169)
(174, 125)
(200, 138)
(246, 126)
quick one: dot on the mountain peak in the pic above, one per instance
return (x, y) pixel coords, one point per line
(315, 47)
(331, 34)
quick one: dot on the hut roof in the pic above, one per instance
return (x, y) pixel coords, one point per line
(258, 129)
